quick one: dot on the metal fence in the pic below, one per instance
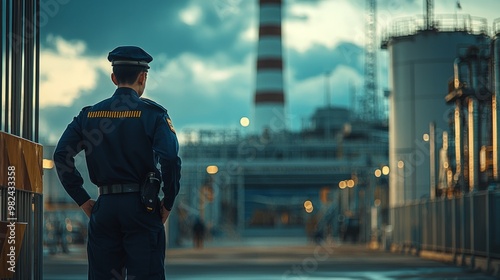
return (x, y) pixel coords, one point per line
(462, 226)
(21, 208)
(28, 259)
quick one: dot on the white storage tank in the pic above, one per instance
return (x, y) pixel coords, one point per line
(420, 67)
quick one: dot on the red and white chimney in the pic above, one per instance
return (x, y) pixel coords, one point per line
(269, 95)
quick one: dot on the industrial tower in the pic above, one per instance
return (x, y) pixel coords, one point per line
(369, 105)
(269, 96)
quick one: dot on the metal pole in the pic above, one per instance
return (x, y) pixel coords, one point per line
(473, 143)
(327, 104)
(8, 59)
(36, 62)
(27, 68)
(241, 203)
(429, 19)
(434, 225)
(487, 218)
(327, 89)
(432, 158)
(471, 219)
(453, 228)
(38, 240)
(443, 202)
(462, 229)
(16, 78)
(2, 17)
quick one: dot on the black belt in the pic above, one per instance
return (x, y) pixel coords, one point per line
(119, 188)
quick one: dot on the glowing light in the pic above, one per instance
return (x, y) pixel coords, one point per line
(385, 170)
(401, 164)
(244, 121)
(350, 183)
(285, 218)
(342, 184)
(426, 137)
(378, 173)
(212, 169)
(308, 206)
(47, 164)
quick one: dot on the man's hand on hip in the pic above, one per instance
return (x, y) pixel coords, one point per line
(87, 207)
(163, 212)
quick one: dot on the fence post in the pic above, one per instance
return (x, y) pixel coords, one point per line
(472, 230)
(453, 229)
(434, 225)
(462, 229)
(444, 222)
(487, 218)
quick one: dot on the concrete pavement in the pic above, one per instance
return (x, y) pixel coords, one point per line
(279, 258)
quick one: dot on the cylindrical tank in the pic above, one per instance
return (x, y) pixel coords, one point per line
(269, 97)
(421, 65)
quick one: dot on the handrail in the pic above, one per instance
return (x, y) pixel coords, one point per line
(408, 26)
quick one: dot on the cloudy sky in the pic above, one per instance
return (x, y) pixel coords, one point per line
(204, 53)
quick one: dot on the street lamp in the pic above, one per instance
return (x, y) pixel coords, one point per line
(212, 169)
(244, 121)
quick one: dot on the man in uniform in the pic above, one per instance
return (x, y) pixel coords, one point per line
(124, 138)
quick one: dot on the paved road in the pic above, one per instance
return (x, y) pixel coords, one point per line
(278, 261)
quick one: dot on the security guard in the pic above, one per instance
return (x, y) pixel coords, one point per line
(125, 138)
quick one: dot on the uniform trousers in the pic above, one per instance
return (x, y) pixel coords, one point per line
(124, 240)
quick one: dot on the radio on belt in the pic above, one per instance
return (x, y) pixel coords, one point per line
(149, 192)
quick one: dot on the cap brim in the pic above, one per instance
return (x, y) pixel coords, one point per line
(130, 63)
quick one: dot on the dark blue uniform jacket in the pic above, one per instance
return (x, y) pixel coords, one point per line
(124, 137)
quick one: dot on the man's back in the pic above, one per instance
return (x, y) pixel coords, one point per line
(124, 139)
(121, 133)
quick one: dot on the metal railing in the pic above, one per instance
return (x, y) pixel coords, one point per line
(444, 23)
(468, 225)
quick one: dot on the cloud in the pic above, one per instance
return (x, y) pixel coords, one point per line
(199, 91)
(65, 72)
(327, 23)
(190, 15)
(319, 58)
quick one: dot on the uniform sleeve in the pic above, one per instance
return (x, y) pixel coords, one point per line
(166, 148)
(70, 144)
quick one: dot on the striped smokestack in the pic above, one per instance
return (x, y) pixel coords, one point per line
(269, 96)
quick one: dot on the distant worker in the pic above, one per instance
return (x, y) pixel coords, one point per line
(124, 138)
(198, 233)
